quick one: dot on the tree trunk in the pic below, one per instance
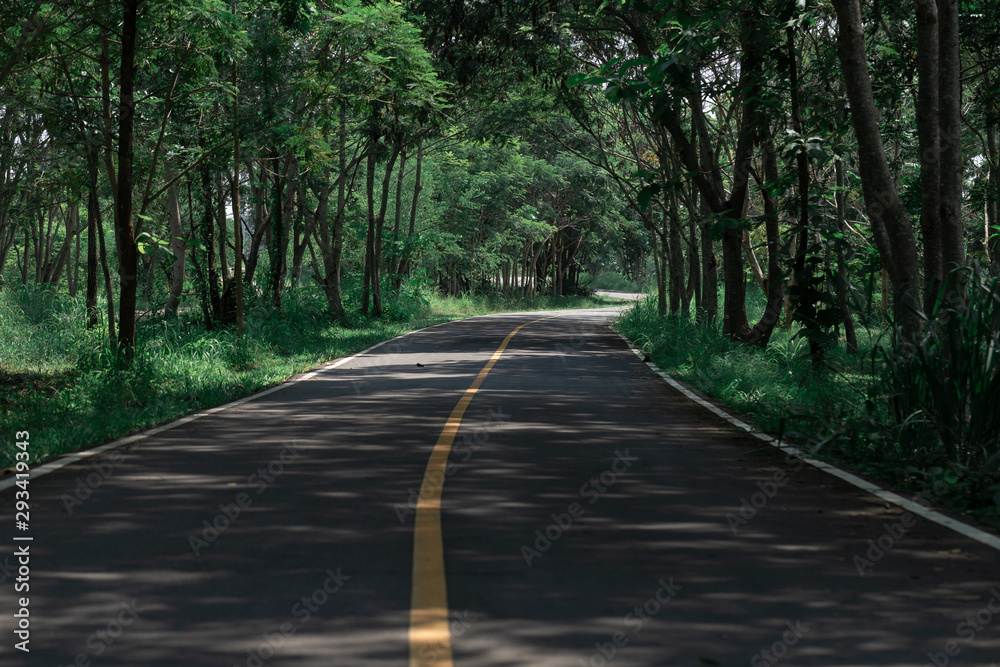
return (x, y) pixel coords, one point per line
(108, 290)
(278, 235)
(125, 232)
(214, 305)
(661, 279)
(237, 215)
(373, 139)
(808, 296)
(885, 294)
(417, 187)
(694, 260)
(74, 284)
(952, 172)
(709, 270)
(24, 267)
(992, 233)
(761, 333)
(177, 246)
(890, 222)
(334, 299)
(843, 278)
(929, 133)
(676, 258)
(396, 259)
(304, 224)
(93, 220)
(379, 225)
(261, 225)
(222, 230)
(62, 258)
(555, 245)
(755, 270)
(729, 212)
(109, 159)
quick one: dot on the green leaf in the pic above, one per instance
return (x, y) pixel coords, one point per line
(646, 194)
(829, 317)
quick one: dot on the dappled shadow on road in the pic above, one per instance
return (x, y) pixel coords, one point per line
(777, 582)
(279, 532)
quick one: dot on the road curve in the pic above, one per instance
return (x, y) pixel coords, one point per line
(590, 515)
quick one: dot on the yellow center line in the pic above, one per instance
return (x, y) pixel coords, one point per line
(430, 637)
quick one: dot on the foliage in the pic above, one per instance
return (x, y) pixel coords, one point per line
(889, 411)
(63, 382)
(611, 281)
(945, 385)
(465, 157)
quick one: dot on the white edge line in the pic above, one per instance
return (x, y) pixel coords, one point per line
(959, 527)
(73, 457)
(68, 459)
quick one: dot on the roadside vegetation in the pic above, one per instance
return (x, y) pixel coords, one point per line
(609, 280)
(66, 385)
(198, 198)
(918, 415)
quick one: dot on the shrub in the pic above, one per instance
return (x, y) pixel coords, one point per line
(945, 383)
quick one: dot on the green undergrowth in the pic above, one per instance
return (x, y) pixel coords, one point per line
(776, 386)
(486, 304)
(611, 281)
(63, 384)
(847, 412)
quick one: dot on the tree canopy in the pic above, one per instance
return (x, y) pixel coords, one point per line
(821, 151)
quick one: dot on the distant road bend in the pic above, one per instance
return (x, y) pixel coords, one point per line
(507, 490)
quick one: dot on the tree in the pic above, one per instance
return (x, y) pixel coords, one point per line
(890, 222)
(124, 229)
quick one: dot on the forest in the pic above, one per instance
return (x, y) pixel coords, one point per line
(199, 198)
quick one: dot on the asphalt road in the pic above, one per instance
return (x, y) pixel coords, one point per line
(590, 516)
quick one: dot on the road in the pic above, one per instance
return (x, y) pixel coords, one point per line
(618, 294)
(589, 515)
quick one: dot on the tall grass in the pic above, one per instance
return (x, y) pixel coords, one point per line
(919, 415)
(62, 382)
(944, 386)
(775, 386)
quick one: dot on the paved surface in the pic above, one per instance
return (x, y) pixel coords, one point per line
(618, 294)
(569, 425)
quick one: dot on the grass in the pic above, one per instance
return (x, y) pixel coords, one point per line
(843, 413)
(611, 281)
(62, 383)
(775, 387)
(457, 307)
